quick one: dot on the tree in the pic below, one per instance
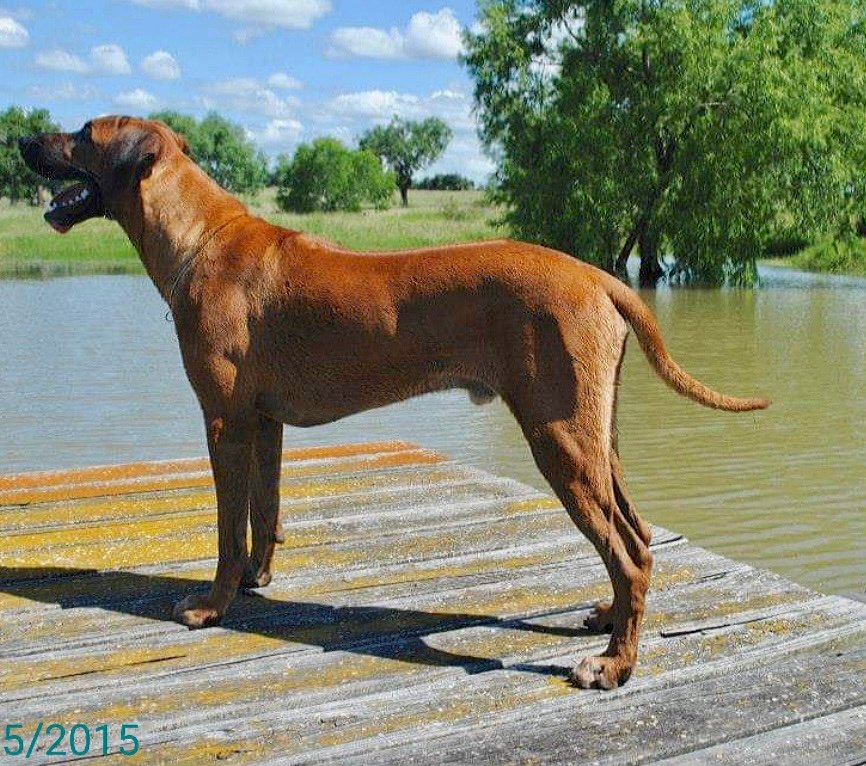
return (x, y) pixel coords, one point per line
(325, 175)
(702, 129)
(446, 182)
(17, 182)
(222, 149)
(407, 146)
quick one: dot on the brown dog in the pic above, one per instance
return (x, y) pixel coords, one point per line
(277, 327)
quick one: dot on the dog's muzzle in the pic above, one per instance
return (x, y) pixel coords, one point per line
(73, 204)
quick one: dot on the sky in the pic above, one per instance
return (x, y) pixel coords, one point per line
(288, 71)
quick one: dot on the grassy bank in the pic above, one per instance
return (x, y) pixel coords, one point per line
(29, 247)
(833, 256)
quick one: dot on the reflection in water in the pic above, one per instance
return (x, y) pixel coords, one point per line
(91, 374)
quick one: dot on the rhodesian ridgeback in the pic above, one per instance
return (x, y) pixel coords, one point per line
(276, 327)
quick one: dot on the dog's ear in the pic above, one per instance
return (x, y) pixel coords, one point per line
(183, 143)
(137, 153)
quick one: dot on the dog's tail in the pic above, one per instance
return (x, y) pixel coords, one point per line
(649, 335)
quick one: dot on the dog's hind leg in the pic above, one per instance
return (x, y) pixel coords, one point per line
(625, 503)
(264, 501)
(601, 618)
(568, 425)
(579, 472)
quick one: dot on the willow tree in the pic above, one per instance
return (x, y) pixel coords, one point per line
(701, 130)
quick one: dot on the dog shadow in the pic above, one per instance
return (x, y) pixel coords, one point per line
(378, 631)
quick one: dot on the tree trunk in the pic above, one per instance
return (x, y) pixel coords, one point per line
(650, 269)
(404, 195)
(622, 259)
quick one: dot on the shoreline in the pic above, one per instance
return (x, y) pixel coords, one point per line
(30, 250)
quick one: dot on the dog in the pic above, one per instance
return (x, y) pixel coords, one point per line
(276, 327)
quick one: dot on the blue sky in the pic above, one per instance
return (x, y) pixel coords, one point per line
(287, 70)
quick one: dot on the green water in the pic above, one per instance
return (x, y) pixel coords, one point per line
(92, 375)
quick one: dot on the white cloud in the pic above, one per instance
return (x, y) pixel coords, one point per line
(349, 115)
(106, 59)
(247, 95)
(379, 104)
(278, 135)
(433, 35)
(452, 106)
(290, 14)
(65, 92)
(366, 42)
(191, 5)
(256, 15)
(19, 13)
(283, 81)
(161, 65)
(464, 156)
(12, 34)
(60, 61)
(427, 36)
(138, 100)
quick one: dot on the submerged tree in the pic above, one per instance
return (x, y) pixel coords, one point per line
(702, 129)
(407, 146)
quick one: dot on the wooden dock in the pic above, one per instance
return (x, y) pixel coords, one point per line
(422, 612)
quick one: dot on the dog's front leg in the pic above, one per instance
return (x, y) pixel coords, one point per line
(264, 501)
(231, 448)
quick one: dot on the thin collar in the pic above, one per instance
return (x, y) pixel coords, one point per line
(186, 265)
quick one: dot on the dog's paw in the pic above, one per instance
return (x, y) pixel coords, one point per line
(255, 578)
(196, 612)
(600, 673)
(600, 619)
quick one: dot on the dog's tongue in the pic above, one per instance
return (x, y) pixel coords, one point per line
(58, 227)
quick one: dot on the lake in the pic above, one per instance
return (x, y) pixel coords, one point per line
(91, 374)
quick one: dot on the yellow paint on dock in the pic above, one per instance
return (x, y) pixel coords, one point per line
(421, 610)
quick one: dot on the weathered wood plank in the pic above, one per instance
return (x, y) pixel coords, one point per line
(146, 484)
(108, 473)
(838, 739)
(638, 724)
(422, 612)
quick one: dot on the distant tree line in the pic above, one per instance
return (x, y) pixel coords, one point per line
(446, 182)
(321, 175)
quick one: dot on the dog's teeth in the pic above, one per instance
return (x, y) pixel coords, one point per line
(85, 193)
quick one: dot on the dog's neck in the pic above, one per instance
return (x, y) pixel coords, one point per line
(178, 211)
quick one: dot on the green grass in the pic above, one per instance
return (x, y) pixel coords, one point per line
(29, 247)
(833, 256)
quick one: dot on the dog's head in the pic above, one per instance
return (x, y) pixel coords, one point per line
(106, 161)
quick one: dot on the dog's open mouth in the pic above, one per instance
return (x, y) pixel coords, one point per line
(74, 204)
